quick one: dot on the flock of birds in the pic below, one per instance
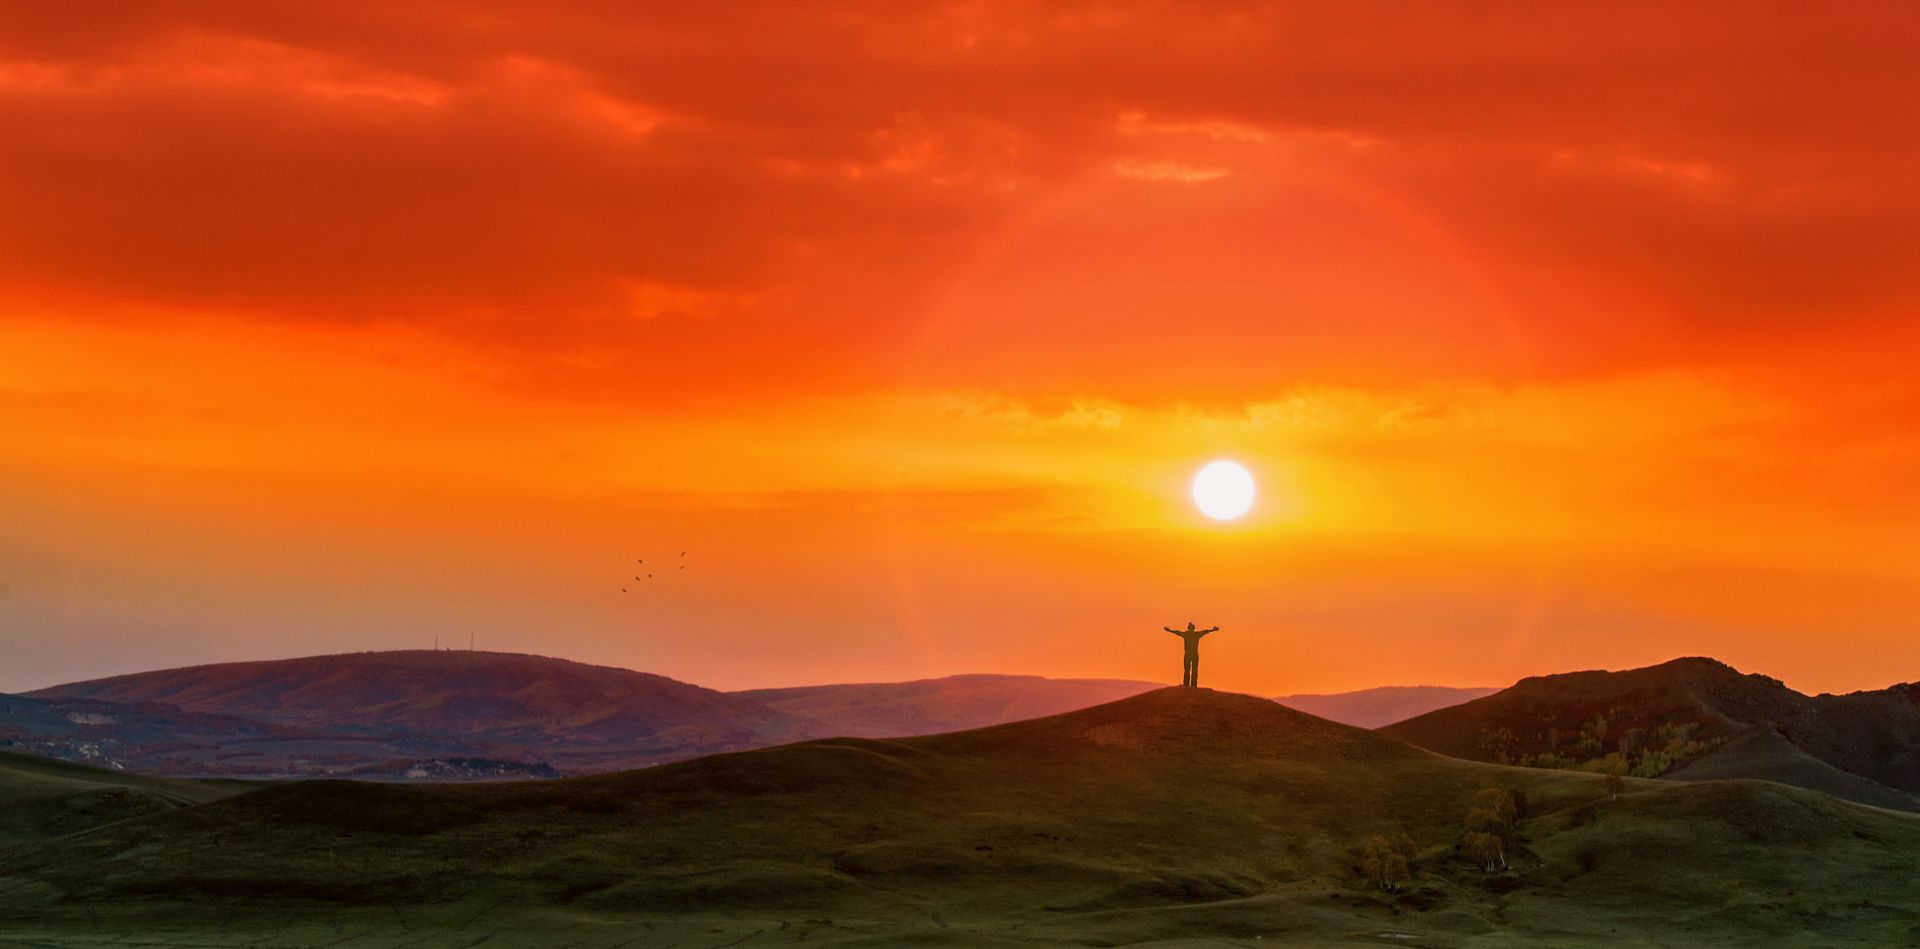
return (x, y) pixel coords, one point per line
(642, 560)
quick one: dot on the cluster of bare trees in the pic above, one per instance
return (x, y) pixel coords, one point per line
(1647, 752)
(1388, 861)
(1499, 743)
(1489, 834)
(1490, 826)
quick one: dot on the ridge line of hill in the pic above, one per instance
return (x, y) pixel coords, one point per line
(1692, 718)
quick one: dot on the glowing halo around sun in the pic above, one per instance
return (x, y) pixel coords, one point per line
(1223, 490)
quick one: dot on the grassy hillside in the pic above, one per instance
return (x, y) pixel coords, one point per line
(41, 798)
(1175, 815)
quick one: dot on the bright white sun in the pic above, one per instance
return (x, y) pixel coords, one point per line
(1223, 490)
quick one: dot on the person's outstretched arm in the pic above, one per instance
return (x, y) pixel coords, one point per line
(1213, 630)
(1176, 632)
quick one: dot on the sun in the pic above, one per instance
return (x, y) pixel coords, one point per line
(1223, 490)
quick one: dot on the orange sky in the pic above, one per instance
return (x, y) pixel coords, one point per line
(1555, 340)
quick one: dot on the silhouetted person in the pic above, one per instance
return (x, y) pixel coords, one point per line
(1190, 664)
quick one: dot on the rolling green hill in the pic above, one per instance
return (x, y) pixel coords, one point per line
(1177, 817)
(41, 798)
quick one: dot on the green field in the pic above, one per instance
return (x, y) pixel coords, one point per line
(1175, 818)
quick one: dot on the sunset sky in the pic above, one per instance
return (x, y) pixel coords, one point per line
(1557, 339)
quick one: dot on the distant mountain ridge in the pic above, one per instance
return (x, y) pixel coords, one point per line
(398, 715)
(444, 703)
(1693, 719)
(532, 697)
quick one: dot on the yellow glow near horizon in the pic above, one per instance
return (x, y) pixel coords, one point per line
(1223, 490)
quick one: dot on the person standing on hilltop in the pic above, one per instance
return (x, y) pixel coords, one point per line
(1190, 664)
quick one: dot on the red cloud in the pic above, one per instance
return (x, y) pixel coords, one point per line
(1612, 188)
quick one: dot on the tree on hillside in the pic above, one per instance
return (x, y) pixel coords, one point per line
(1631, 742)
(1518, 800)
(1593, 736)
(1494, 811)
(1487, 851)
(1388, 861)
(1499, 743)
(1615, 768)
(1490, 826)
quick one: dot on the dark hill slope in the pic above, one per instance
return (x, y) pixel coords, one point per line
(577, 715)
(927, 706)
(1372, 708)
(1545, 714)
(42, 798)
(1694, 719)
(1763, 752)
(1174, 815)
(1873, 734)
